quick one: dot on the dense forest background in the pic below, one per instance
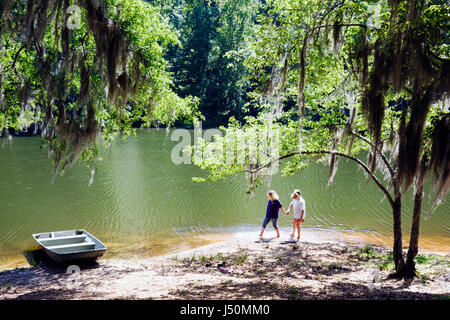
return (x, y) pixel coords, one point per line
(209, 61)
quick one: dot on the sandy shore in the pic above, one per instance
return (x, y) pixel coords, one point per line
(318, 267)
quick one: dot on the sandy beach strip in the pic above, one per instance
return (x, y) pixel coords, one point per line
(243, 267)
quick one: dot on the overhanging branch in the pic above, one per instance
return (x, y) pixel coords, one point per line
(382, 155)
(339, 154)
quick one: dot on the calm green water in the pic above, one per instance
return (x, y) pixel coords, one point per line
(142, 204)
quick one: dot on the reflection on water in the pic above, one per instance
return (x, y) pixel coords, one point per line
(141, 204)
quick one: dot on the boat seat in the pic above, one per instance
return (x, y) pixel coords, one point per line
(63, 240)
(65, 248)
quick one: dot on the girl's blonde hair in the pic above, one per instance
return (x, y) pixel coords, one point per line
(272, 195)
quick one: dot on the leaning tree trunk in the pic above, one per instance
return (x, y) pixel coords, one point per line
(398, 250)
(410, 266)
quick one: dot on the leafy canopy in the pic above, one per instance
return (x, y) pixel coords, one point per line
(78, 68)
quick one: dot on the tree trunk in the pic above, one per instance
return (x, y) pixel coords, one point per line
(302, 79)
(398, 250)
(410, 266)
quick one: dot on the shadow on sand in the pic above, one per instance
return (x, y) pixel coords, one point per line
(43, 280)
(38, 258)
(265, 240)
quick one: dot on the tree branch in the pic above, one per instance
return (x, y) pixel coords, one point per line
(16, 56)
(339, 154)
(383, 156)
(328, 25)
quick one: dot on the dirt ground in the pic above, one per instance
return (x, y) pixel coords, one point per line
(238, 269)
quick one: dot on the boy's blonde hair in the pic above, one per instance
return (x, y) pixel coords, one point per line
(296, 193)
(272, 195)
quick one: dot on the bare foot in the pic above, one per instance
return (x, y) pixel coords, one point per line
(292, 235)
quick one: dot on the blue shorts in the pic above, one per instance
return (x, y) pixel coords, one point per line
(267, 220)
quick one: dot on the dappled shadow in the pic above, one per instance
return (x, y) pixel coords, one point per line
(407, 282)
(59, 294)
(265, 240)
(290, 245)
(43, 274)
(50, 294)
(232, 290)
(346, 290)
(302, 271)
(38, 258)
(291, 262)
(21, 277)
(264, 289)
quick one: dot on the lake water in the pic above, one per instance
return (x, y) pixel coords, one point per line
(141, 204)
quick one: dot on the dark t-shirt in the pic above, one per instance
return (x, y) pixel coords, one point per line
(272, 209)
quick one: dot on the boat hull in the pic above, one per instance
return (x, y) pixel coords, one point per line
(70, 245)
(62, 258)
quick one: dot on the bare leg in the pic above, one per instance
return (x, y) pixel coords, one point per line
(262, 231)
(275, 226)
(298, 229)
(293, 230)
